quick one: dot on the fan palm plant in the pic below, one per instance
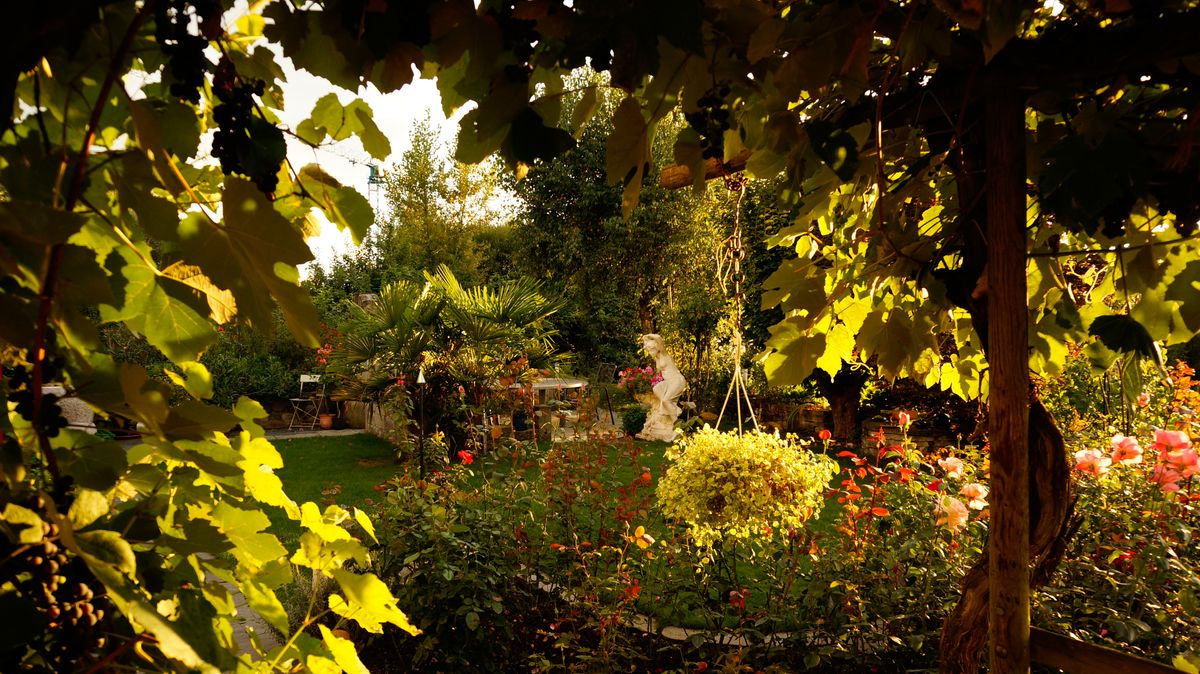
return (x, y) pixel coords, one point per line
(495, 332)
(385, 341)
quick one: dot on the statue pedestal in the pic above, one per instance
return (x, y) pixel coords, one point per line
(660, 425)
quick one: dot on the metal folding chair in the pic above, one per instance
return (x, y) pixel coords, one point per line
(306, 407)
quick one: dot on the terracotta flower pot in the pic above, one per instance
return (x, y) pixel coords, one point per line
(326, 421)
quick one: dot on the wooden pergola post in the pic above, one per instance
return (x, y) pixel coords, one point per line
(1008, 367)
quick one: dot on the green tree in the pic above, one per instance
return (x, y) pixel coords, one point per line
(614, 271)
(436, 212)
(423, 227)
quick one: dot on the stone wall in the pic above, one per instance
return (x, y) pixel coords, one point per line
(808, 420)
(926, 440)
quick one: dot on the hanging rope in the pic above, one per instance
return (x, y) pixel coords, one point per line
(729, 271)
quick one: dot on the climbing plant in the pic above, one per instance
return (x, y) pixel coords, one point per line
(114, 210)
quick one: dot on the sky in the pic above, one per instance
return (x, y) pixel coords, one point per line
(394, 113)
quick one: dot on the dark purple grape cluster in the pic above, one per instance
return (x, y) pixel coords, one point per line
(187, 64)
(60, 587)
(20, 392)
(711, 119)
(245, 143)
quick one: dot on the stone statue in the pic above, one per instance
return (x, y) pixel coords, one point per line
(660, 420)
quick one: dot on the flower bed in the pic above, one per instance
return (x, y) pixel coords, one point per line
(866, 578)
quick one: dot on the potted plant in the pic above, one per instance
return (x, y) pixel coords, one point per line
(326, 419)
(639, 383)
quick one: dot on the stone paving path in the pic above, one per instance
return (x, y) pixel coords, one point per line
(291, 435)
(246, 618)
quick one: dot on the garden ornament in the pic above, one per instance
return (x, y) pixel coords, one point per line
(660, 420)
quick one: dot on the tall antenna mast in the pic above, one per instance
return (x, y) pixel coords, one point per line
(374, 182)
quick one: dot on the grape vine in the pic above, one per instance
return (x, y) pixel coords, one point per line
(20, 392)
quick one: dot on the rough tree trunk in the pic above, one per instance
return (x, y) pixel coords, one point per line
(646, 312)
(1051, 500)
(1008, 367)
(844, 393)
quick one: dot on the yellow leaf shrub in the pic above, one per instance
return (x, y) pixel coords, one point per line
(722, 485)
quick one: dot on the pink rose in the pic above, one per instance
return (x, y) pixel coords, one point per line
(1184, 460)
(1126, 451)
(1168, 440)
(1165, 478)
(903, 419)
(953, 466)
(952, 513)
(976, 495)
(1143, 399)
(1092, 461)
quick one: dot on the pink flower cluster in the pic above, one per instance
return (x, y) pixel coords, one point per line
(1177, 458)
(324, 353)
(952, 512)
(639, 379)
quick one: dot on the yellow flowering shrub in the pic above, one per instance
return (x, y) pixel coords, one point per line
(727, 486)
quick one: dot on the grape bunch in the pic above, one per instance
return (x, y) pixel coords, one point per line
(186, 62)
(245, 143)
(711, 120)
(20, 392)
(63, 590)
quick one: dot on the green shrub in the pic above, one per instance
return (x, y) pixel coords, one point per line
(633, 418)
(453, 561)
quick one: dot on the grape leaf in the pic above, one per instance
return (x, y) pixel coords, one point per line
(97, 465)
(107, 547)
(244, 527)
(21, 525)
(161, 309)
(89, 505)
(368, 602)
(1123, 334)
(266, 604)
(254, 256)
(628, 152)
(196, 379)
(343, 651)
(344, 206)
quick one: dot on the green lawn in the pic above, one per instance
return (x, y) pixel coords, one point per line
(311, 465)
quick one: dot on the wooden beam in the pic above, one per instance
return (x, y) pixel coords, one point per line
(1008, 369)
(1078, 657)
(677, 175)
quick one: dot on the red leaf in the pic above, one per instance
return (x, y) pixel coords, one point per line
(933, 486)
(880, 512)
(846, 453)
